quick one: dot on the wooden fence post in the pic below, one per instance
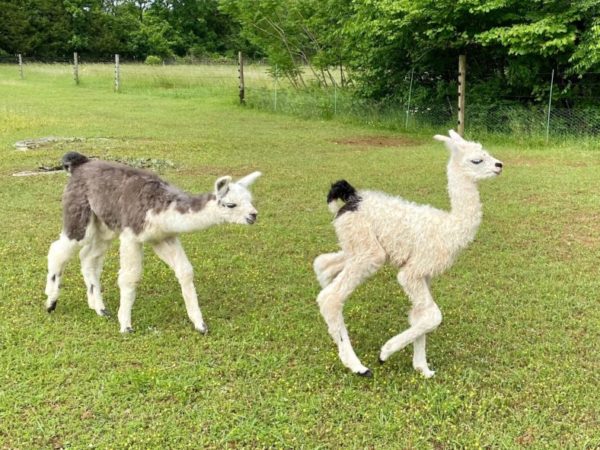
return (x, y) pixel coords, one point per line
(549, 106)
(21, 66)
(76, 67)
(117, 73)
(462, 79)
(241, 77)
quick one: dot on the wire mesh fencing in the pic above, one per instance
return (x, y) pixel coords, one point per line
(409, 110)
(529, 117)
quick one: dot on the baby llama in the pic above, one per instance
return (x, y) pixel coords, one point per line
(105, 200)
(422, 241)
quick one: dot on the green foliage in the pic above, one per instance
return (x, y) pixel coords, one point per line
(98, 28)
(153, 60)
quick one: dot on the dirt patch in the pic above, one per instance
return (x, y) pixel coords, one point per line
(51, 141)
(378, 141)
(32, 173)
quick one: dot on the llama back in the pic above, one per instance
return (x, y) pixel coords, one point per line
(119, 195)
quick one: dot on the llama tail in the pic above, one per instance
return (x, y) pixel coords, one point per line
(73, 159)
(340, 190)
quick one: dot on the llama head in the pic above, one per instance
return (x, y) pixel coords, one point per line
(235, 200)
(469, 157)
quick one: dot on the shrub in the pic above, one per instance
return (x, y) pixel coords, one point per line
(153, 60)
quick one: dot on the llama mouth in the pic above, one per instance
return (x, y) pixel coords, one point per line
(250, 221)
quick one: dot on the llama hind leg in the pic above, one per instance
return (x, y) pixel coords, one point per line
(327, 266)
(331, 302)
(130, 272)
(59, 254)
(420, 357)
(424, 317)
(92, 259)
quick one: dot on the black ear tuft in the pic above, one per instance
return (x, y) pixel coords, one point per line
(341, 189)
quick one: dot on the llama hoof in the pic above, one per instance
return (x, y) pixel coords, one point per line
(104, 313)
(426, 372)
(52, 307)
(367, 373)
(381, 361)
(128, 330)
(203, 329)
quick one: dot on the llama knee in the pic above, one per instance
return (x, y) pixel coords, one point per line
(428, 318)
(129, 278)
(185, 274)
(323, 262)
(329, 306)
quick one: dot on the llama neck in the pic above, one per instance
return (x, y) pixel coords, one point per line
(195, 213)
(466, 208)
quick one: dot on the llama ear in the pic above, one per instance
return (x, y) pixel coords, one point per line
(442, 138)
(249, 179)
(222, 186)
(455, 136)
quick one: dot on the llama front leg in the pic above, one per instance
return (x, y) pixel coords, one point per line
(172, 253)
(59, 254)
(131, 254)
(327, 266)
(92, 259)
(424, 317)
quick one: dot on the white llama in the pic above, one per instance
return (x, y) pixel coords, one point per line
(373, 227)
(104, 200)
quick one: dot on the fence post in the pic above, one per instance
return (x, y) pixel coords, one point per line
(76, 68)
(412, 73)
(117, 73)
(241, 77)
(21, 66)
(334, 98)
(462, 79)
(549, 106)
(276, 85)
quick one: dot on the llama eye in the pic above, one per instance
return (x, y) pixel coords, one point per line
(231, 205)
(477, 161)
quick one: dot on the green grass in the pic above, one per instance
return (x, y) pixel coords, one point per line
(517, 356)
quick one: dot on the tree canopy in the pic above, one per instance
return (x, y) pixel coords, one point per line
(133, 28)
(511, 45)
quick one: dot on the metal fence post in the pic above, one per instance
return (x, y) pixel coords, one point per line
(412, 73)
(549, 106)
(241, 77)
(117, 73)
(76, 68)
(21, 66)
(276, 85)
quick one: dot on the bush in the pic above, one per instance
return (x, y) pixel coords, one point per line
(153, 60)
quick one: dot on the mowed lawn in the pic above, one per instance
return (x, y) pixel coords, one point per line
(517, 357)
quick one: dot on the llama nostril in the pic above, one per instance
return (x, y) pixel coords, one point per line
(253, 216)
(499, 164)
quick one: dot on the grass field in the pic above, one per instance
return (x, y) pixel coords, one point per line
(517, 356)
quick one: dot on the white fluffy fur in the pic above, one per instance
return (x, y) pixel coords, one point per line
(161, 232)
(421, 240)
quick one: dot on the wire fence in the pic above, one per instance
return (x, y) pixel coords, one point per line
(524, 115)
